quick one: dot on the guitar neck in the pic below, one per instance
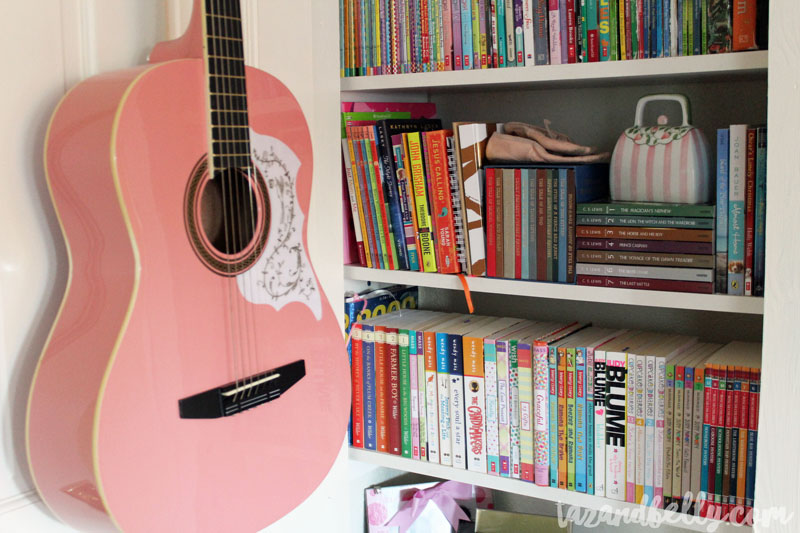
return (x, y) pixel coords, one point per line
(229, 132)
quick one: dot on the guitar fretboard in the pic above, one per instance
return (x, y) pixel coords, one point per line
(230, 132)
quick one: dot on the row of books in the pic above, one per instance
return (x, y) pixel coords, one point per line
(634, 416)
(400, 36)
(530, 218)
(741, 209)
(651, 246)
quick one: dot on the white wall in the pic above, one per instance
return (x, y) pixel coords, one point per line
(56, 43)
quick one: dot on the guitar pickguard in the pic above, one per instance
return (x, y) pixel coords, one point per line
(283, 273)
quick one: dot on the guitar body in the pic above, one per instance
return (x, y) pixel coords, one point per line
(146, 321)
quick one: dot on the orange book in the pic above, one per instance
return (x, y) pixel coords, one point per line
(744, 25)
(441, 201)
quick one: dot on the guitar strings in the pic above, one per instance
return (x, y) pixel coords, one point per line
(214, 96)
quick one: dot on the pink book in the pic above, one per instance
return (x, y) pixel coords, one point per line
(417, 109)
(455, 12)
(447, 35)
(414, 383)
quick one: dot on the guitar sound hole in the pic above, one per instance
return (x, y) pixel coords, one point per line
(229, 212)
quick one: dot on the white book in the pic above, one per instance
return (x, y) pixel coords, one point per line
(403, 339)
(445, 446)
(421, 394)
(616, 418)
(503, 411)
(641, 450)
(649, 427)
(630, 430)
(432, 414)
(658, 439)
(492, 436)
(600, 422)
(541, 415)
(511, 51)
(527, 28)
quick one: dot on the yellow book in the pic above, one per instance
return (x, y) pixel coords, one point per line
(622, 50)
(427, 251)
(376, 9)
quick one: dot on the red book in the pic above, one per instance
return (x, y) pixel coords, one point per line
(640, 26)
(357, 374)
(517, 223)
(730, 398)
(744, 25)
(541, 224)
(628, 41)
(709, 412)
(752, 426)
(442, 203)
(425, 37)
(381, 390)
(393, 374)
(369, 132)
(749, 210)
(709, 506)
(571, 53)
(491, 240)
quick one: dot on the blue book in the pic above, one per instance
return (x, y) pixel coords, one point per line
(552, 358)
(391, 192)
(466, 36)
(761, 211)
(525, 223)
(532, 223)
(501, 33)
(721, 271)
(736, 197)
(562, 225)
(370, 409)
(667, 15)
(645, 31)
(581, 448)
(562, 9)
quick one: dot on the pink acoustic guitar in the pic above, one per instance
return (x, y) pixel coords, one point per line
(195, 378)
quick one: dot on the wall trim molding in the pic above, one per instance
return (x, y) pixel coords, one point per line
(18, 501)
(79, 40)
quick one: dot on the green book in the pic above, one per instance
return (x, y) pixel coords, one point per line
(646, 209)
(405, 393)
(645, 222)
(571, 406)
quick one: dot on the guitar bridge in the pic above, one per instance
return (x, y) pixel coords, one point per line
(242, 395)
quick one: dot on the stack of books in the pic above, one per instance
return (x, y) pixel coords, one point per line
(530, 218)
(654, 246)
(636, 416)
(741, 209)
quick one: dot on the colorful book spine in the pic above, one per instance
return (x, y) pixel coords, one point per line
(447, 34)
(695, 248)
(374, 199)
(555, 31)
(571, 422)
(599, 414)
(760, 211)
(541, 415)
(491, 221)
(406, 197)
(649, 429)
(503, 408)
(475, 403)
(749, 210)
(378, 182)
(413, 393)
(372, 246)
(492, 408)
(616, 434)
(532, 220)
(441, 203)
(563, 461)
(432, 396)
(472, 140)
(501, 33)
(526, 410)
(669, 419)
(604, 29)
(388, 171)
(553, 413)
(407, 384)
(706, 483)
(686, 445)
(417, 338)
(511, 50)
(698, 421)
(528, 33)
(443, 395)
(677, 434)
(466, 35)
(736, 214)
(564, 22)
(634, 400)
(592, 36)
(651, 222)
(393, 391)
(588, 413)
(721, 280)
(458, 54)
(370, 404)
(476, 34)
(483, 34)
(455, 371)
(427, 250)
(382, 383)
(730, 398)
(493, 41)
(658, 443)
(561, 257)
(519, 33)
(744, 25)
(752, 438)
(581, 432)
(571, 32)
(357, 371)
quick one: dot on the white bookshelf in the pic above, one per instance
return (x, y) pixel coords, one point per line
(670, 69)
(558, 291)
(516, 486)
(723, 89)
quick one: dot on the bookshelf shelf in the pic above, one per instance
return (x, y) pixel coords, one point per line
(675, 300)
(523, 488)
(727, 67)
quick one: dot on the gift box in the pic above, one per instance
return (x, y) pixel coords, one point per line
(432, 507)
